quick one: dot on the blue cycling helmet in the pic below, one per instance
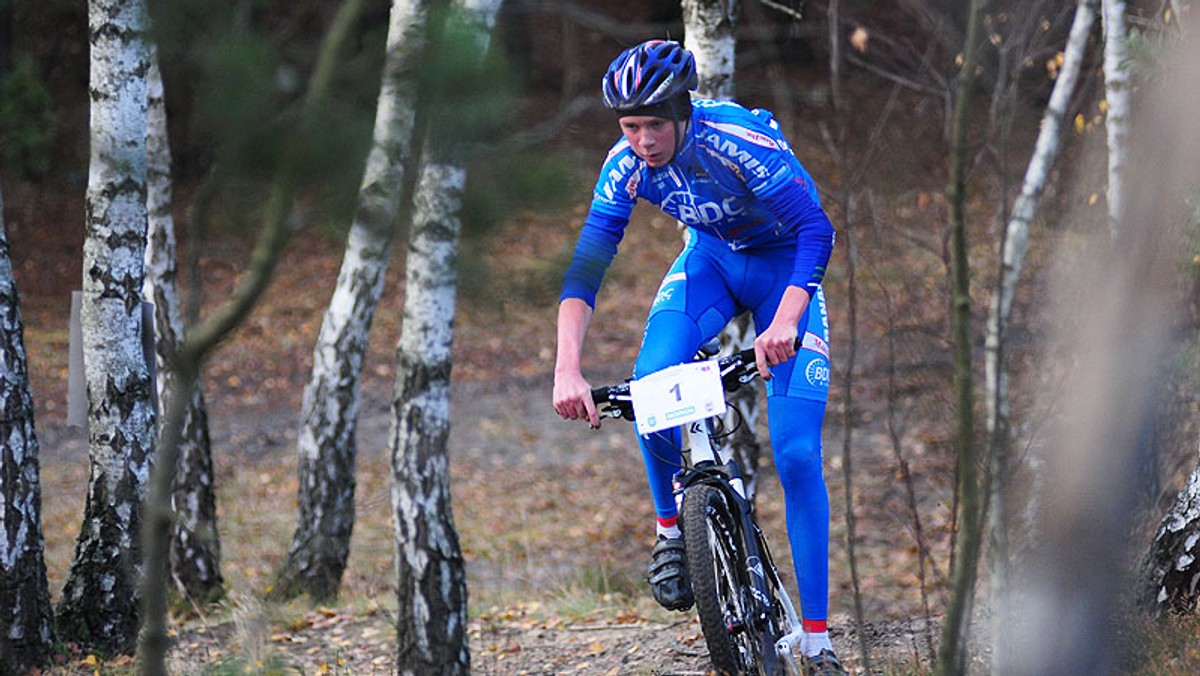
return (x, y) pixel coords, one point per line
(652, 78)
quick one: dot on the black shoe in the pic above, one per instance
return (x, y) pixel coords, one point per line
(824, 663)
(668, 576)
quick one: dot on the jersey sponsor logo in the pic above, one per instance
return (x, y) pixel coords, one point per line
(727, 147)
(683, 205)
(616, 176)
(817, 372)
(812, 341)
(744, 133)
(822, 310)
(665, 290)
(664, 295)
(631, 185)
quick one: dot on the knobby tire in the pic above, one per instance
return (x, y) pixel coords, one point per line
(712, 539)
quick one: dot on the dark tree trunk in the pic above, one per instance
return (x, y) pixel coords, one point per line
(26, 618)
(952, 653)
(195, 543)
(316, 558)
(432, 583)
(204, 336)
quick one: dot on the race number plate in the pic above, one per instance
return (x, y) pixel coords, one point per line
(677, 395)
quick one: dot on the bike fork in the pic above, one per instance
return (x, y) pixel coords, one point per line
(785, 647)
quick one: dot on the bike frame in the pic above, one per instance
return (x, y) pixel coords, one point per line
(705, 462)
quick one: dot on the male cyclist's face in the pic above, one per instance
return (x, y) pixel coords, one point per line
(652, 138)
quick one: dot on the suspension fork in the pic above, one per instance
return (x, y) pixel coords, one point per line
(706, 457)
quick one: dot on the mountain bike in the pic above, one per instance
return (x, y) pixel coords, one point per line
(748, 619)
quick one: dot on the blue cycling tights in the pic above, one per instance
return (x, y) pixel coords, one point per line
(705, 288)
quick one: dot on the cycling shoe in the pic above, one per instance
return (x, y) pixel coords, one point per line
(668, 575)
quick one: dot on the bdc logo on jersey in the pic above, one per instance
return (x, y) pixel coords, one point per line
(689, 211)
(817, 372)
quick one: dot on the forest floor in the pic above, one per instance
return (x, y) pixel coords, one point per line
(554, 519)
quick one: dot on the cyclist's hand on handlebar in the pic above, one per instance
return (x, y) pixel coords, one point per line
(774, 346)
(573, 398)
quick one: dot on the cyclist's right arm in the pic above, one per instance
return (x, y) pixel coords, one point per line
(572, 393)
(612, 203)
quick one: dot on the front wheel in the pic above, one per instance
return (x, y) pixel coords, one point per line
(724, 600)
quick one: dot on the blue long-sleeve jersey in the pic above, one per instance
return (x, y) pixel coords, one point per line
(734, 178)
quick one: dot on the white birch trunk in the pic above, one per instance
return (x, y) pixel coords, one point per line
(432, 589)
(26, 617)
(1013, 247)
(195, 543)
(1117, 98)
(316, 558)
(100, 601)
(431, 627)
(1016, 234)
(708, 27)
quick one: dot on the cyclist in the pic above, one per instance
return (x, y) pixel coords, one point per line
(758, 240)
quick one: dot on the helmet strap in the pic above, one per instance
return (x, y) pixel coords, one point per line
(679, 134)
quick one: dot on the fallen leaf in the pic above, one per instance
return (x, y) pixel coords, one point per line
(859, 39)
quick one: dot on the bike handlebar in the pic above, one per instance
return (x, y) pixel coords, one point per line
(736, 370)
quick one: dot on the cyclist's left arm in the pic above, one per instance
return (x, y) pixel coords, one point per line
(792, 201)
(801, 214)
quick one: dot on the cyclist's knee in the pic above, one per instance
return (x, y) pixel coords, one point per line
(796, 437)
(798, 460)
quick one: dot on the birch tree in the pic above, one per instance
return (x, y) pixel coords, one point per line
(1168, 574)
(708, 29)
(1075, 582)
(1013, 245)
(195, 543)
(316, 558)
(100, 601)
(1117, 100)
(431, 587)
(26, 617)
